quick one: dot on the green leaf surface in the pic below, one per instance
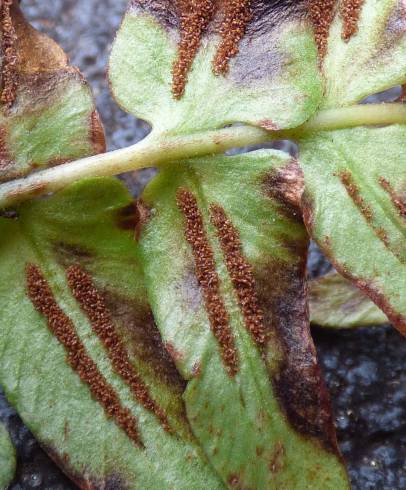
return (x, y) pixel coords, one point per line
(47, 112)
(336, 303)
(272, 82)
(354, 199)
(78, 342)
(7, 458)
(355, 209)
(370, 60)
(224, 255)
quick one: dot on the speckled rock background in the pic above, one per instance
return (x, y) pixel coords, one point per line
(365, 370)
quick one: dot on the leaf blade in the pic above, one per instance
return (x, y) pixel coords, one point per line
(275, 66)
(7, 458)
(361, 205)
(56, 392)
(184, 287)
(370, 60)
(336, 303)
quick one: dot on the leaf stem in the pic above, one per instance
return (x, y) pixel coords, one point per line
(157, 150)
(150, 152)
(350, 117)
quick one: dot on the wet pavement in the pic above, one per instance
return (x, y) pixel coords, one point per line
(365, 369)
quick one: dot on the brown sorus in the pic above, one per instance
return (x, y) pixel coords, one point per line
(5, 157)
(94, 306)
(236, 16)
(350, 11)
(241, 274)
(9, 52)
(63, 328)
(322, 15)
(195, 16)
(208, 279)
(354, 192)
(397, 200)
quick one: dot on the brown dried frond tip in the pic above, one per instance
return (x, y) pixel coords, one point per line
(94, 306)
(208, 279)
(9, 55)
(350, 11)
(322, 15)
(195, 16)
(63, 328)
(237, 14)
(241, 275)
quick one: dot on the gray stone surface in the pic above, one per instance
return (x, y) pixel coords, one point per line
(365, 370)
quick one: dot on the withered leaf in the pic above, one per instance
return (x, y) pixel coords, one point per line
(47, 113)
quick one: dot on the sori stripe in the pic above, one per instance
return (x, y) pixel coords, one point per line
(62, 327)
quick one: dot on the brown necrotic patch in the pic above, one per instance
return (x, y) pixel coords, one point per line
(397, 200)
(208, 279)
(67, 253)
(127, 218)
(164, 11)
(278, 458)
(350, 11)
(195, 16)
(63, 328)
(285, 187)
(297, 383)
(142, 216)
(236, 16)
(10, 59)
(84, 479)
(97, 133)
(136, 326)
(241, 274)
(282, 295)
(94, 306)
(322, 15)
